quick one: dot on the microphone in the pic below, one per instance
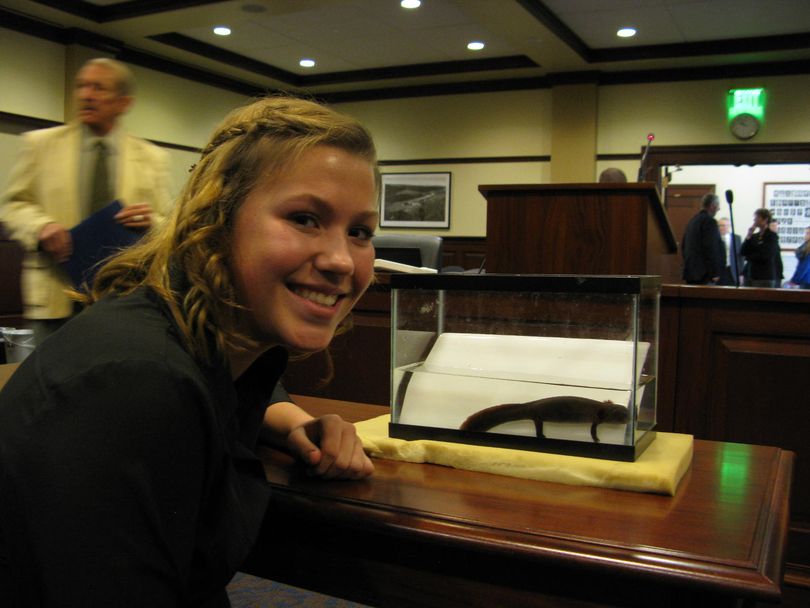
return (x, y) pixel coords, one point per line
(650, 138)
(729, 196)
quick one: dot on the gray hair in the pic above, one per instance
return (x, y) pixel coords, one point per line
(124, 78)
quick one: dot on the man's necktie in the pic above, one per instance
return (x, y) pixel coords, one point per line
(727, 242)
(732, 258)
(100, 187)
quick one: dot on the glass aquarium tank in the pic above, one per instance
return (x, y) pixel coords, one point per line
(551, 363)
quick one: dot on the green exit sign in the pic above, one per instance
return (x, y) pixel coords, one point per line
(746, 101)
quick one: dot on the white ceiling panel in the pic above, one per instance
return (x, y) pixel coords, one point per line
(537, 38)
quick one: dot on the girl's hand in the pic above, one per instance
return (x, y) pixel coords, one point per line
(330, 448)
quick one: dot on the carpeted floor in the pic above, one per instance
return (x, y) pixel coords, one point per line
(246, 591)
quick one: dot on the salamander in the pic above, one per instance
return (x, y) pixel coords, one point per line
(551, 409)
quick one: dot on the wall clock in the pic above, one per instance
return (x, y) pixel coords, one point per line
(744, 126)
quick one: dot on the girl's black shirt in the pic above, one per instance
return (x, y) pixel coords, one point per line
(127, 470)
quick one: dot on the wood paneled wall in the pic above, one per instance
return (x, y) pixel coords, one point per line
(10, 297)
(735, 366)
(464, 252)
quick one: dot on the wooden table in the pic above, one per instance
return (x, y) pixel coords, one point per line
(426, 535)
(6, 369)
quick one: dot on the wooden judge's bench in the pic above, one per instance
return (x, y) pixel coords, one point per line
(734, 363)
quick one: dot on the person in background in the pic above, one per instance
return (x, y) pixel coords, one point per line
(612, 175)
(734, 260)
(66, 173)
(129, 475)
(801, 277)
(703, 258)
(761, 249)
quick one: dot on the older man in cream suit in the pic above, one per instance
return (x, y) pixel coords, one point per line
(66, 173)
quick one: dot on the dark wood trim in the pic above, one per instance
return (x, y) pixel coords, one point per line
(544, 15)
(711, 72)
(153, 62)
(33, 27)
(181, 147)
(236, 60)
(105, 44)
(478, 240)
(724, 154)
(139, 8)
(510, 62)
(735, 295)
(77, 8)
(541, 12)
(708, 47)
(735, 154)
(744, 70)
(450, 88)
(618, 157)
(29, 123)
(466, 161)
(126, 54)
(579, 77)
(121, 10)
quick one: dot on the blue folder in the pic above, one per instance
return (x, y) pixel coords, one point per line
(94, 240)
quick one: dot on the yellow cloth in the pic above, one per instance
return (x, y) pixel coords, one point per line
(657, 470)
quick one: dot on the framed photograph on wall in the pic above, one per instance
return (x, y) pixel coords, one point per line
(790, 205)
(415, 200)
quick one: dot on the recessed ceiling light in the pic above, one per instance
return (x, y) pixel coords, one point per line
(410, 3)
(475, 45)
(222, 30)
(307, 63)
(626, 32)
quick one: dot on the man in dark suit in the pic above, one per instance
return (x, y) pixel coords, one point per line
(703, 257)
(734, 260)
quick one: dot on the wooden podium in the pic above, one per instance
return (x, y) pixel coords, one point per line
(577, 229)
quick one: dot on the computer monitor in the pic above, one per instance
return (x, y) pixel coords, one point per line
(403, 255)
(406, 248)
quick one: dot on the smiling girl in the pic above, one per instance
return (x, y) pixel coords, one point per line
(127, 438)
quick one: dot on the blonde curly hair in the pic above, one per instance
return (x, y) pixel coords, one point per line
(185, 260)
